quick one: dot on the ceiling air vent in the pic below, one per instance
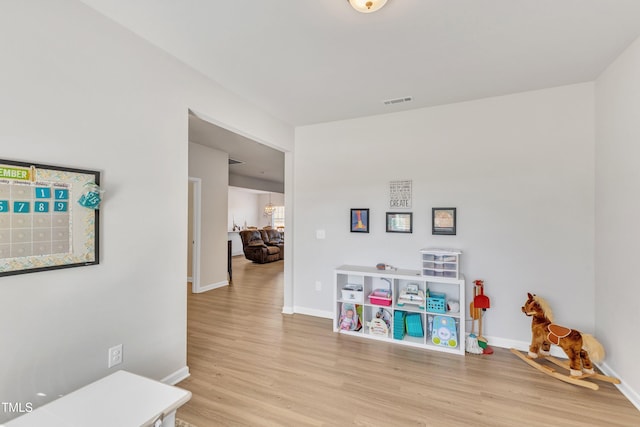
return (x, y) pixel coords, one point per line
(235, 162)
(398, 100)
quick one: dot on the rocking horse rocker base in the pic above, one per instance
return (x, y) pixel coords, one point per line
(571, 379)
(581, 349)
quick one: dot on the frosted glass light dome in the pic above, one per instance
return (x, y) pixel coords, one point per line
(367, 6)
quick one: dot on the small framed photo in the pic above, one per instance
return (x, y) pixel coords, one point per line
(399, 222)
(359, 220)
(444, 221)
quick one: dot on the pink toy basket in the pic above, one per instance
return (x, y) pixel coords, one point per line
(380, 297)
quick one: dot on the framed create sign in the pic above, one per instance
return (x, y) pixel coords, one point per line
(42, 225)
(400, 194)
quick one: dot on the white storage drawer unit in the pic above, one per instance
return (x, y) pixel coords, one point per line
(441, 262)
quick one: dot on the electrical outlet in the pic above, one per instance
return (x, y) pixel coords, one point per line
(115, 355)
(318, 285)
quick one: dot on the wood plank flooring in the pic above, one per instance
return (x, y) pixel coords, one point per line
(253, 366)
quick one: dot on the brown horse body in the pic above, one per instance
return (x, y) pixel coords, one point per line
(576, 345)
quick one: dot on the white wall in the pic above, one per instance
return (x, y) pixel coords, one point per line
(212, 167)
(242, 208)
(617, 210)
(248, 206)
(79, 90)
(519, 169)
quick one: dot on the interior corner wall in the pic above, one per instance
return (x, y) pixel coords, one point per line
(212, 167)
(617, 210)
(79, 90)
(518, 168)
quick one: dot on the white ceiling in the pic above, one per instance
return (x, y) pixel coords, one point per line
(309, 62)
(315, 61)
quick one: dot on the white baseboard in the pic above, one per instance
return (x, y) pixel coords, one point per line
(214, 286)
(287, 310)
(556, 351)
(313, 312)
(624, 388)
(177, 376)
(521, 345)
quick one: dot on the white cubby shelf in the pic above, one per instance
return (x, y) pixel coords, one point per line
(442, 330)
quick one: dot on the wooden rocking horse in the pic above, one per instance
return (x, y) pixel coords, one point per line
(581, 349)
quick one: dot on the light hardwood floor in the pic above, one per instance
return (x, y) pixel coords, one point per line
(253, 366)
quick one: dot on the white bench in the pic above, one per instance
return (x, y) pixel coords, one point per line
(121, 399)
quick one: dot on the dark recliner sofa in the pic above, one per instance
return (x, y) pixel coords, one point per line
(259, 250)
(273, 238)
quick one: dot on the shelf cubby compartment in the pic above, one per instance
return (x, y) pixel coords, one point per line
(444, 332)
(411, 295)
(342, 306)
(378, 321)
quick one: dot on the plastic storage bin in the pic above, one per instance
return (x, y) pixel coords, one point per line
(352, 293)
(437, 302)
(414, 324)
(380, 297)
(398, 324)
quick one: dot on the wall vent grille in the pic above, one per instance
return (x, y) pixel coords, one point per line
(398, 100)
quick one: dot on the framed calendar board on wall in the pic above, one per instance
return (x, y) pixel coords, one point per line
(42, 225)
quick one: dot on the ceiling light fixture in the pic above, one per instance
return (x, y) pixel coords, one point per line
(269, 208)
(367, 6)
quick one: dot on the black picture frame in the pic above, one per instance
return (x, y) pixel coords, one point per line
(443, 221)
(399, 222)
(359, 220)
(56, 231)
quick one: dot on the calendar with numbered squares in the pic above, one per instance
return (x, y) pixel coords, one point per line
(42, 226)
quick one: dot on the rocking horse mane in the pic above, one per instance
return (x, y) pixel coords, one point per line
(544, 305)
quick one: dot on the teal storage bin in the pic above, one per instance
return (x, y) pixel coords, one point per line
(437, 302)
(414, 325)
(398, 324)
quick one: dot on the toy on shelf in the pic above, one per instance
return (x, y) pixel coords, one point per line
(378, 327)
(349, 319)
(381, 323)
(444, 331)
(385, 315)
(582, 349)
(412, 294)
(453, 306)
